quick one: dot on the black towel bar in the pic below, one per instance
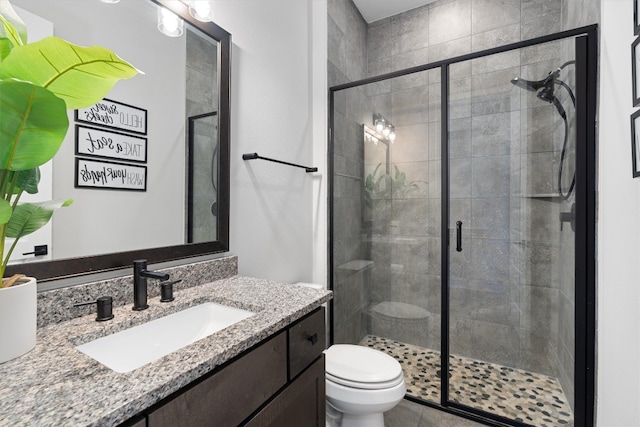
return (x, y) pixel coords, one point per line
(253, 156)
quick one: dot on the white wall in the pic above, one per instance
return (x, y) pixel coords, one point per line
(272, 114)
(320, 141)
(618, 234)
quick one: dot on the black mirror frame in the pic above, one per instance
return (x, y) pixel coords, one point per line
(71, 267)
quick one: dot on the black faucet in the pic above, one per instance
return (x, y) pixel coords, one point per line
(140, 275)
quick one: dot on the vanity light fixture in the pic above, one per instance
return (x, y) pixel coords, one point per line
(169, 23)
(202, 10)
(385, 127)
(373, 136)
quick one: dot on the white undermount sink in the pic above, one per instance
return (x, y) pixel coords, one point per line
(135, 347)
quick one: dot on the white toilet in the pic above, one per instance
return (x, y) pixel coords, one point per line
(361, 384)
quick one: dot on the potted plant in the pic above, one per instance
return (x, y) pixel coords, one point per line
(39, 82)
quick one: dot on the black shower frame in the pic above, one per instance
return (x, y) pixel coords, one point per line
(585, 198)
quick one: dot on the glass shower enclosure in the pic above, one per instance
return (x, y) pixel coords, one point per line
(461, 228)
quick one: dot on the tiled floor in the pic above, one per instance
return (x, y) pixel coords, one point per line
(410, 414)
(513, 393)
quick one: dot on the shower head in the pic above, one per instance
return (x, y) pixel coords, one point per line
(545, 87)
(528, 84)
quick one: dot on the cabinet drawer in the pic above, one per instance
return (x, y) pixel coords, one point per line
(230, 395)
(307, 339)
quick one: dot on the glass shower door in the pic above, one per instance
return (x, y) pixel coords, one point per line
(511, 249)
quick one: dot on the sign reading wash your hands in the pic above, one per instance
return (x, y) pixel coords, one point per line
(110, 175)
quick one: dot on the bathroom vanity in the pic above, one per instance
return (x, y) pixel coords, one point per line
(267, 369)
(292, 360)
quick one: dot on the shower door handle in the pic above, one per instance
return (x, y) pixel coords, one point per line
(459, 236)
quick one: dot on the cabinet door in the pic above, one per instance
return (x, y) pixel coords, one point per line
(307, 339)
(302, 403)
(232, 394)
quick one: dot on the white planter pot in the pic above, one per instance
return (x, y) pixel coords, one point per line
(18, 319)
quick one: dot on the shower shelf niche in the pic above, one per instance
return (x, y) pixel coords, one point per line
(543, 196)
(356, 265)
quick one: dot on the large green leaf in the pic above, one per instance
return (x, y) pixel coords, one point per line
(81, 76)
(13, 31)
(5, 211)
(32, 125)
(26, 180)
(29, 217)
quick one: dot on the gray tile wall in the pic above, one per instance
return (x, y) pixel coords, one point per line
(346, 62)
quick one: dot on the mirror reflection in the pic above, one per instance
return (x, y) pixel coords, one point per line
(165, 121)
(202, 200)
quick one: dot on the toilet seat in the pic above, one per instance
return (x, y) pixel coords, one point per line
(365, 386)
(362, 367)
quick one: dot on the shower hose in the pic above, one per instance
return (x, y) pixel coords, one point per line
(563, 153)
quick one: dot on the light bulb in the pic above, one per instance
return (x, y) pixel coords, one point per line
(386, 131)
(379, 126)
(200, 10)
(169, 23)
(392, 136)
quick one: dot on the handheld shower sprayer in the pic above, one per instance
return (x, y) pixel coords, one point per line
(545, 89)
(545, 84)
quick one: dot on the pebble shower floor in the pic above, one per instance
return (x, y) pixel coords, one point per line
(527, 397)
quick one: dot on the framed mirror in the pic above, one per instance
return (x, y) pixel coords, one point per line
(182, 210)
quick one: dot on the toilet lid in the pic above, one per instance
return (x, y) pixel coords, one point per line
(366, 386)
(361, 365)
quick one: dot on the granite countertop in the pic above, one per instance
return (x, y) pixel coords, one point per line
(55, 384)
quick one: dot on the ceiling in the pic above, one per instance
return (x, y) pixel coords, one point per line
(373, 10)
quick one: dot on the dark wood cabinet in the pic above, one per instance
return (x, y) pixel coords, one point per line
(280, 382)
(301, 404)
(227, 397)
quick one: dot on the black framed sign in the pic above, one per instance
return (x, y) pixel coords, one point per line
(114, 115)
(108, 144)
(635, 71)
(636, 24)
(635, 143)
(110, 175)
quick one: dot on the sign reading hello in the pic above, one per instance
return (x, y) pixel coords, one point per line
(115, 115)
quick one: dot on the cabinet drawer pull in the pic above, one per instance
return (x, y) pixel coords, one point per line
(313, 338)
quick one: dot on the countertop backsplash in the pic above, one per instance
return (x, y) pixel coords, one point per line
(56, 305)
